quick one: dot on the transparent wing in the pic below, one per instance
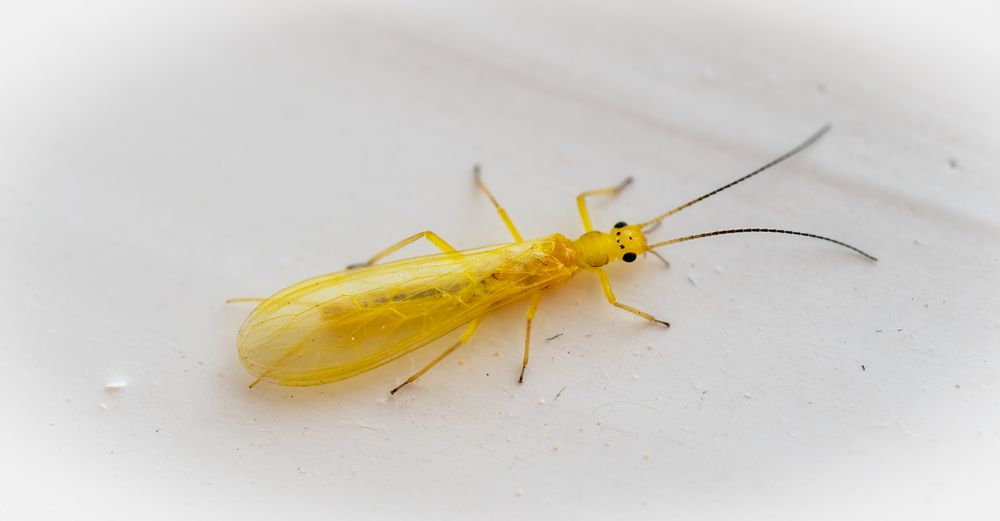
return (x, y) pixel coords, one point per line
(338, 325)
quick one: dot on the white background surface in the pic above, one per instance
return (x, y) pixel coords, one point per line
(157, 158)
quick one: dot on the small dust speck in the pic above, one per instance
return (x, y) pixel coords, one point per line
(862, 367)
(953, 163)
(748, 396)
(957, 386)
(555, 447)
(519, 492)
(647, 456)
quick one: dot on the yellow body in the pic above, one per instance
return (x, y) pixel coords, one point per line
(339, 325)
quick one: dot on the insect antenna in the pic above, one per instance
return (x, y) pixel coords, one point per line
(758, 230)
(665, 261)
(810, 140)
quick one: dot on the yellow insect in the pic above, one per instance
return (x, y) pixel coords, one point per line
(339, 325)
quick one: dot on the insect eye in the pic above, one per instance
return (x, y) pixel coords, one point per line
(621, 224)
(628, 257)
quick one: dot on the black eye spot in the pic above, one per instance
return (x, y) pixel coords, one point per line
(628, 257)
(621, 224)
(619, 233)
(622, 246)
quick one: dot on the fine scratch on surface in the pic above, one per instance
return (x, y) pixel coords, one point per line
(515, 460)
(359, 423)
(630, 402)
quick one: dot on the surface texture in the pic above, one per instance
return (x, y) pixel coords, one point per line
(157, 158)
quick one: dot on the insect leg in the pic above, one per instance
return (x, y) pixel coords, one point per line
(581, 202)
(606, 285)
(463, 339)
(476, 171)
(429, 235)
(535, 299)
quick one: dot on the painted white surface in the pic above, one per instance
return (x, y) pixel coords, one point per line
(157, 158)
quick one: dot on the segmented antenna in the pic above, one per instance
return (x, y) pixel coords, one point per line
(758, 230)
(812, 139)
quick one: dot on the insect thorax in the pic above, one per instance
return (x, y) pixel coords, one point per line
(593, 249)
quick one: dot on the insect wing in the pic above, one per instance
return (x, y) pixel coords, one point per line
(339, 325)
